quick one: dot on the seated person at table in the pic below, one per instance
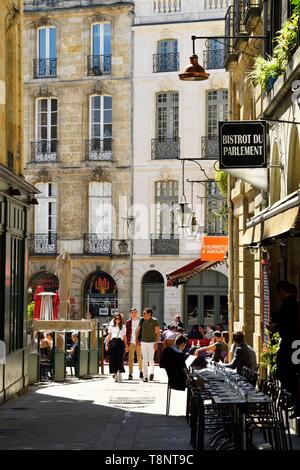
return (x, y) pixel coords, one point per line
(195, 333)
(173, 360)
(72, 353)
(217, 347)
(169, 336)
(244, 355)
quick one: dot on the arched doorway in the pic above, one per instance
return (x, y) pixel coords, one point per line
(153, 294)
(101, 295)
(205, 299)
(46, 279)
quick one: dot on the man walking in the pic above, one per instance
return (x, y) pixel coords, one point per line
(131, 327)
(150, 333)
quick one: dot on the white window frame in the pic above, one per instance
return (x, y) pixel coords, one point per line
(49, 126)
(102, 195)
(101, 48)
(47, 199)
(47, 29)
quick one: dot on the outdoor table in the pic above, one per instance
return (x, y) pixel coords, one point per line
(236, 399)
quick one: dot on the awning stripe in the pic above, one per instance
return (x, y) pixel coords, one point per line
(189, 270)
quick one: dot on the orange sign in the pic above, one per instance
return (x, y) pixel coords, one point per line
(214, 248)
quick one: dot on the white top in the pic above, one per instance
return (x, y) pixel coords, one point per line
(116, 332)
(134, 324)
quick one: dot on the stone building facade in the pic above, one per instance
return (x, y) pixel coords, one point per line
(78, 151)
(173, 120)
(264, 247)
(15, 199)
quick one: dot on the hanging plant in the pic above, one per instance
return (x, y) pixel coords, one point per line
(269, 353)
(296, 6)
(266, 71)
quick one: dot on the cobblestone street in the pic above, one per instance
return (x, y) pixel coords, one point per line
(96, 414)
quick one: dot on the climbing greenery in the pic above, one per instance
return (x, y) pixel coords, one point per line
(271, 68)
(269, 353)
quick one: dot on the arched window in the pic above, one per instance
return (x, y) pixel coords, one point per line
(45, 64)
(100, 58)
(100, 129)
(45, 147)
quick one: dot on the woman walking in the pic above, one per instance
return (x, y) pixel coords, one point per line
(116, 344)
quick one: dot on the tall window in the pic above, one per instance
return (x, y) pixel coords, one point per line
(214, 55)
(216, 213)
(46, 52)
(167, 58)
(100, 58)
(217, 110)
(167, 116)
(45, 212)
(101, 123)
(166, 195)
(100, 208)
(46, 129)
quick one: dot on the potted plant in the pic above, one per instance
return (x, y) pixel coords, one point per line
(269, 353)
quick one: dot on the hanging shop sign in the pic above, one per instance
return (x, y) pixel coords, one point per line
(214, 248)
(243, 144)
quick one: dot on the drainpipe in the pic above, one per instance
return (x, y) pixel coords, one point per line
(131, 161)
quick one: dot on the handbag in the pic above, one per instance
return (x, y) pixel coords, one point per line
(113, 344)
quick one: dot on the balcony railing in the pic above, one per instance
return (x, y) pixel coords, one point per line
(44, 68)
(43, 244)
(214, 59)
(97, 244)
(215, 4)
(230, 53)
(238, 22)
(168, 62)
(98, 149)
(210, 147)
(164, 245)
(44, 151)
(98, 64)
(166, 6)
(165, 148)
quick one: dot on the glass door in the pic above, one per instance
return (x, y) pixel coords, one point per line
(209, 309)
(193, 311)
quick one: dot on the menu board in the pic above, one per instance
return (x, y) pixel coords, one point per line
(265, 282)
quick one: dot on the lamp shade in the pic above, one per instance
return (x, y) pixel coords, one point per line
(194, 72)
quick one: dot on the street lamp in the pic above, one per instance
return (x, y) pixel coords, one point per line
(183, 213)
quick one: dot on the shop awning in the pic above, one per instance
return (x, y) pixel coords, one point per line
(189, 270)
(276, 220)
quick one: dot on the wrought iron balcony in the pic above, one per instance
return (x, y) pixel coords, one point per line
(97, 244)
(165, 148)
(44, 151)
(214, 59)
(98, 64)
(43, 244)
(98, 149)
(164, 245)
(230, 54)
(168, 62)
(238, 20)
(210, 147)
(44, 68)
